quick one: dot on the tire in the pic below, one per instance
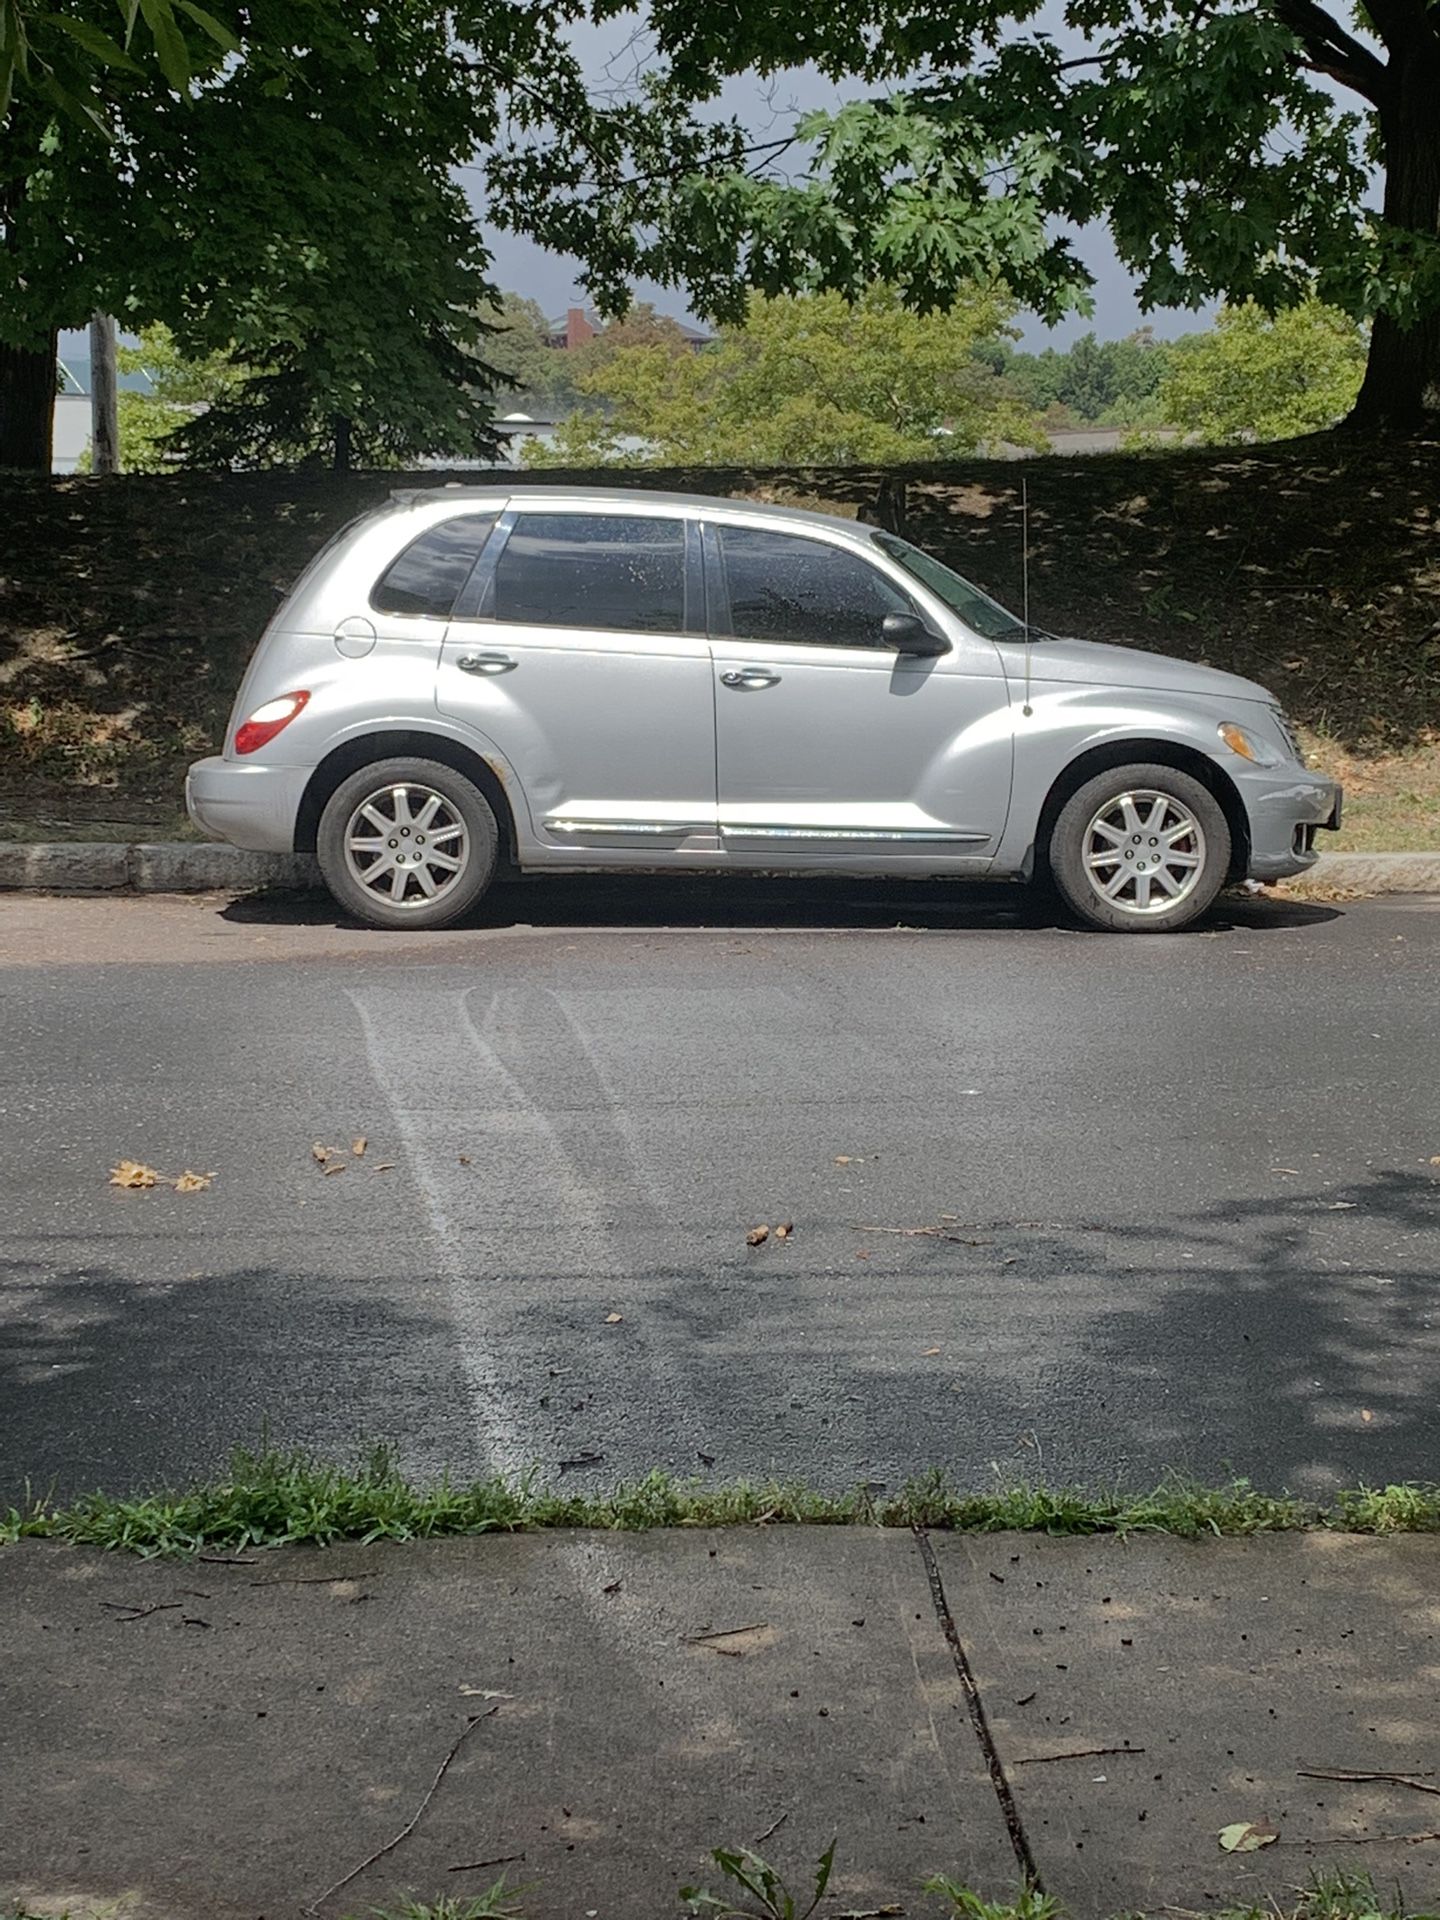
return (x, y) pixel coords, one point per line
(1140, 849)
(390, 802)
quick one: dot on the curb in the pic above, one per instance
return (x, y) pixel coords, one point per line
(182, 866)
(176, 866)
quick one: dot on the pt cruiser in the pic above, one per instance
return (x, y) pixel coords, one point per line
(575, 678)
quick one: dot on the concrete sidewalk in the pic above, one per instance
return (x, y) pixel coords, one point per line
(234, 1736)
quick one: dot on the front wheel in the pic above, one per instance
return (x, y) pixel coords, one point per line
(1142, 849)
(407, 843)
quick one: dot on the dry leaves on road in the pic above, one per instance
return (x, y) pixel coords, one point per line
(613, 1319)
(358, 1145)
(785, 1229)
(757, 1236)
(135, 1173)
(1247, 1836)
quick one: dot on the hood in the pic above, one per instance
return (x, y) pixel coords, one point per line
(1097, 664)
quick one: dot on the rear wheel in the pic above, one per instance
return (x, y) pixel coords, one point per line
(1142, 849)
(407, 843)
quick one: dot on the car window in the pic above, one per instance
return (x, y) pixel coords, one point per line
(427, 576)
(783, 586)
(622, 572)
(975, 608)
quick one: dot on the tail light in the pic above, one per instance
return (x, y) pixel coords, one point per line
(263, 725)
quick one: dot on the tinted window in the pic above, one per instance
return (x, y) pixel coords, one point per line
(975, 608)
(431, 571)
(785, 587)
(624, 572)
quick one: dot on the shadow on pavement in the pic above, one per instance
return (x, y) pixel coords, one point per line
(1289, 1339)
(734, 900)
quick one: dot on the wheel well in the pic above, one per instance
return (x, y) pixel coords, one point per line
(369, 747)
(1165, 753)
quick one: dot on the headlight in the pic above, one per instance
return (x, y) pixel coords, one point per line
(1248, 745)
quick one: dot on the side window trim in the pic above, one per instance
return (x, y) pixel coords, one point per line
(475, 600)
(717, 588)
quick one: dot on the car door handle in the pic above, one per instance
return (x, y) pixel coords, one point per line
(485, 663)
(743, 677)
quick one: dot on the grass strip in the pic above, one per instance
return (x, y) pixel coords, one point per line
(271, 1497)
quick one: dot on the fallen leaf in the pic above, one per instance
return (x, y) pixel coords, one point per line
(757, 1236)
(1342, 1206)
(383, 1166)
(1435, 1159)
(193, 1182)
(336, 1166)
(1247, 1836)
(133, 1173)
(843, 1160)
(784, 1230)
(1366, 1415)
(464, 1159)
(358, 1146)
(614, 1587)
(317, 1152)
(613, 1319)
(485, 1693)
(929, 1353)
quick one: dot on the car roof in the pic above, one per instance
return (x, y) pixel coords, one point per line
(623, 497)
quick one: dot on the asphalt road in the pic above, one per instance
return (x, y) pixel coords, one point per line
(1178, 1198)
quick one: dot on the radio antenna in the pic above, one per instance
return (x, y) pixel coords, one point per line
(1027, 709)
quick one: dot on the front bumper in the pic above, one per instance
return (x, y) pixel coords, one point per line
(250, 806)
(1286, 806)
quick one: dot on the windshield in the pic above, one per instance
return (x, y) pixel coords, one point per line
(975, 608)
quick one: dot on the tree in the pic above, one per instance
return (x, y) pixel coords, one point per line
(805, 381)
(1200, 134)
(295, 204)
(176, 389)
(1258, 378)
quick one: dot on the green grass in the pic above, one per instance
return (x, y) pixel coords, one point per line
(274, 1498)
(764, 1895)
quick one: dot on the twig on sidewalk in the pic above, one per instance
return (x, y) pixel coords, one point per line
(774, 1827)
(496, 1860)
(1080, 1753)
(1408, 1839)
(131, 1611)
(412, 1823)
(724, 1633)
(1353, 1778)
(226, 1560)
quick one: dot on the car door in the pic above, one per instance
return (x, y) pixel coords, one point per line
(585, 661)
(831, 747)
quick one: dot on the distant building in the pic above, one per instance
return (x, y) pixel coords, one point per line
(579, 324)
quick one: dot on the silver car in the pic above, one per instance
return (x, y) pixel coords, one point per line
(566, 678)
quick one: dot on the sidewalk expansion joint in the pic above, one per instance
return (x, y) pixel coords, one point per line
(1015, 1826)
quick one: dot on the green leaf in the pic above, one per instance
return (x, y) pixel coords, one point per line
(96, 42)
(170, 48)
(222, 35)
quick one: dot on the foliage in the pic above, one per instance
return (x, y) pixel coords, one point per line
(57, 54)
(1258, 378)
(1205, 137)
(966, 1904)
(773, 1899)
(177, 388)
(1110, 383)
(810, 380)
(497, 1902)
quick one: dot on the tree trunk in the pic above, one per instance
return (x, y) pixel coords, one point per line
(1402, 375)
(104, 399)
(341, 462)
(27, 406)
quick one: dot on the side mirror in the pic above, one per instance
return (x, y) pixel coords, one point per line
(908, 633)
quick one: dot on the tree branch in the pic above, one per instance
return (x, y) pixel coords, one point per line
(1329, 49)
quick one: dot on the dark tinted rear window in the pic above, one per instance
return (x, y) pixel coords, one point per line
(428, 575)
(623, 572)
